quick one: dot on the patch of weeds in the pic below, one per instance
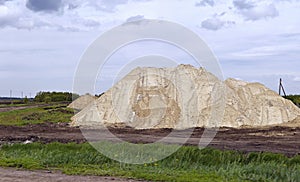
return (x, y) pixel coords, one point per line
(187, 164)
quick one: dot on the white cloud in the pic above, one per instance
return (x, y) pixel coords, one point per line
(297, 79)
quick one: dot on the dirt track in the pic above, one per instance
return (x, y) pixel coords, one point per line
(15, 175)
(13, 108)
(284, 140)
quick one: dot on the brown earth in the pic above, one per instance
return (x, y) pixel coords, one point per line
(277, 139)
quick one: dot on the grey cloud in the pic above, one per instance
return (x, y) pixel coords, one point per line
(212, 24)
(258, 13)
(14, 18)
(7, 21)
(222, 14)
(205, 3)
(215, 24)
(253, 12)
(9, 18)
(44, 5)
(135, 18)
(243, 4)
(3, 1)
(72, 6)
(15, 15)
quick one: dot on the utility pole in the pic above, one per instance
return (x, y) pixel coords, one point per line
(10, 95)
(281, 87)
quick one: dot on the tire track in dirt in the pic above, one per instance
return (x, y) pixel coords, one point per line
(285, 140)
(18, 175)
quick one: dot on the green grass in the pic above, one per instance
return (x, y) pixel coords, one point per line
(55, 113)
(187, 164)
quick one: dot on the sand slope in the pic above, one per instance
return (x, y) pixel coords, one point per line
(185, 97)
(81, 102)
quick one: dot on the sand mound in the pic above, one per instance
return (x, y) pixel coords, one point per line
(82, 102)
(185, 97)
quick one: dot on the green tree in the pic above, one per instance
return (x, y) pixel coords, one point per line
(25, 100)
(47, 99)
(55, 96)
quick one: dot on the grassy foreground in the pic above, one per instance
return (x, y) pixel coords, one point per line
(55, 113)
(187, 164)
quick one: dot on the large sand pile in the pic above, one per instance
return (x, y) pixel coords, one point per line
(185, 97)
(81, 102)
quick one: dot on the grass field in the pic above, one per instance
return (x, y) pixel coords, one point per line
(187, 164)
(55, 113)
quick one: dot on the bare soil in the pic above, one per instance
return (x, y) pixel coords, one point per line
(16, 175)
(13, 108)
(277, 139)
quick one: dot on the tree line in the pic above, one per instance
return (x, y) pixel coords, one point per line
(55, 96)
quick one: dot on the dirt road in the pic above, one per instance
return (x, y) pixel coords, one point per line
(284, 140)
(15, 175)
(13, 108)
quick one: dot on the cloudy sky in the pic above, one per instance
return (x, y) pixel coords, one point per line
(41, 41)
